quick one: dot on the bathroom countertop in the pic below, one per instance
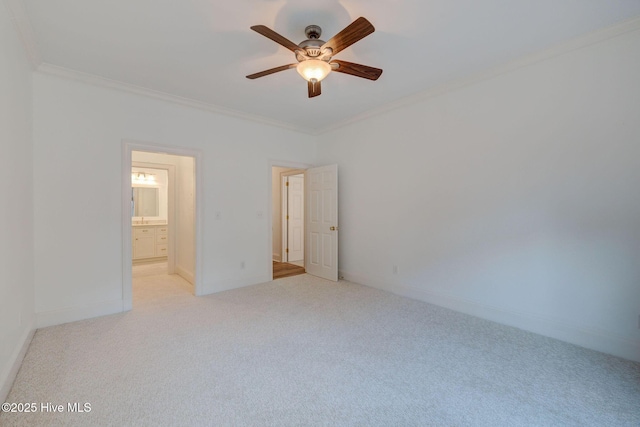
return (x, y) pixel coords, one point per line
(146, 225)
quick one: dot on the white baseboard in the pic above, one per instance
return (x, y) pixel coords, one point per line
(539, 324)
(72, 314)
(153, 260)
(185, 274)
(10, 371)
(225, 285)
(277, 257)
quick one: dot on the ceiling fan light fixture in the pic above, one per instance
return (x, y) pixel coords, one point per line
(313, 55)
(313, 70)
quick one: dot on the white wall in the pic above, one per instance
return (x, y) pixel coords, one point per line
(79, 129)
(16, 207)
(516, 199)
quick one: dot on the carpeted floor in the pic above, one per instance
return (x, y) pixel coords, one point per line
(302, 351)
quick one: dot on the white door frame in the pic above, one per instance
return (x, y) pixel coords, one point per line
(270, 165)
(285, 202)
(283, 218)
(128, 146)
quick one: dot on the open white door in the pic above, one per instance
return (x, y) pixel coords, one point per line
(321, 242)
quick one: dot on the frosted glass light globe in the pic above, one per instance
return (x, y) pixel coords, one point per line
(313, 70)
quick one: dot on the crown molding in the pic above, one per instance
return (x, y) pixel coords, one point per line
(574, 44)
(19, 16)
(95, 80)
(20, 19)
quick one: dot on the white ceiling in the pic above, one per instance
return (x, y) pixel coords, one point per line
(202, 50)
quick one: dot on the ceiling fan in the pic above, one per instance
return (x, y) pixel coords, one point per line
(314, 56)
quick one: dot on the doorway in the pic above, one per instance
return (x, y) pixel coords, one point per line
(320, 213)
(160, 223)
(287, 221)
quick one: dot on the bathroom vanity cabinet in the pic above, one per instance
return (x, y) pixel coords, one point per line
(150, 241)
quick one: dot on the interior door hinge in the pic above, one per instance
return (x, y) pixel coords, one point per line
(287, 250)
(287, 183)
(287, 216)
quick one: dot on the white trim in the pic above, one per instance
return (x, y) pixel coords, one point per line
(22, 24)
(127, 147)
(72, 314)
(143, 261)
(95, 80)
(292, 172)
(580, 42)
(14, 363)
(284, 206)
(127, 250)
(543, 325)
(284, 223)
(186, 275)
(229, 284)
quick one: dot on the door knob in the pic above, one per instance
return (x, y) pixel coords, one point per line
(333, 228)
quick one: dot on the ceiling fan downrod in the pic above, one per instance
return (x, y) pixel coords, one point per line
(313, 32)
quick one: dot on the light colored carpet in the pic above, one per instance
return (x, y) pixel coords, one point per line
(302, 351)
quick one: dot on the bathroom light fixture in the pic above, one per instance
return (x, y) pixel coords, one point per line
(142, 178)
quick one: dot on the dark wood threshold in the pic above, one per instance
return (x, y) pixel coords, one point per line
(284, 269)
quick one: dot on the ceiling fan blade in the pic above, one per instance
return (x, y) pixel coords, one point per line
(271, 71)
(357, 70)
(270, 34)
(357, 30)
(315, 89)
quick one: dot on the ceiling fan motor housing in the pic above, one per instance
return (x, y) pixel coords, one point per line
(313, 43)
(312, 47)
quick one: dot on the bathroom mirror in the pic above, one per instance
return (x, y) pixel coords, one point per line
(146, 201)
